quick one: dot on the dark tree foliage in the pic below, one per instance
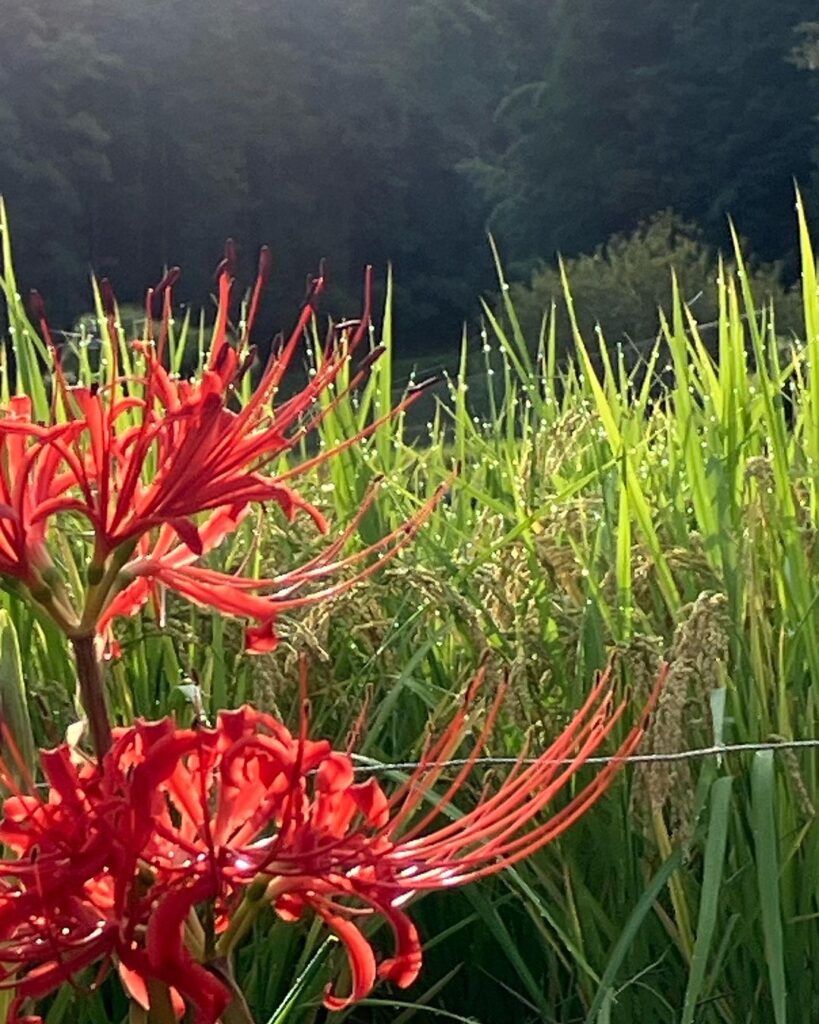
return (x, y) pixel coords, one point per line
(638, 107)
(136, 135)
(54, 156)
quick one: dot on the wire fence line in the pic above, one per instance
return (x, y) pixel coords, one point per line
(371, 766)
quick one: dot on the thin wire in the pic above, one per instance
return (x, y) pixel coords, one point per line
(370, 766)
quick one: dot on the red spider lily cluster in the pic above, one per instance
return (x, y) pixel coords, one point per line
(155, 856)
(159, 470)
(112, 864)
(143, 457)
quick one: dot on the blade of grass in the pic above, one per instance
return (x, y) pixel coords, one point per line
(709, 894)
(632, 927)
(763, 782)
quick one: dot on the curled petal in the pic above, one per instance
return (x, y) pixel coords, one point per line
(261, 639)
(403, 968)
(359, 956)
(171, 961)
(372, 802)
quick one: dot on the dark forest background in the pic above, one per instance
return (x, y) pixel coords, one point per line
(139, 133)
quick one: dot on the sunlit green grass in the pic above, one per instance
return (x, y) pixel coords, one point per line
(664, 508)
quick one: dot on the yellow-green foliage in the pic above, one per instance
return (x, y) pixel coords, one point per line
(669, 508)
(624, 282)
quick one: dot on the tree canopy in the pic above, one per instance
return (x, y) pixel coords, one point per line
(139, 135)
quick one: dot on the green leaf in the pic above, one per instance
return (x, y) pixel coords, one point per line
(292, 1000)
(763, 782)
(709, 894)
(629, 933)
(14, 706)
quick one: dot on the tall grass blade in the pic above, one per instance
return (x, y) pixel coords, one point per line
(305, 979)
(14, 714)
(763, 782)
(635, 921)
(709, 894)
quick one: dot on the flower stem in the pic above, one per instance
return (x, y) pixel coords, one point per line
(101, 580)
(92, 693)
(259, 895)
(136, 1015)
(161, 1011)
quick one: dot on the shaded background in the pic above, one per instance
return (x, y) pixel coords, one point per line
(138, 134)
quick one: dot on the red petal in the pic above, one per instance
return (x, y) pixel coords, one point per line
(135, 985)
(127, 602)
(170, 960)
(290, 906)
(335, 773)
(360, 957)
(188, 534)
(404, 967)
(261, 639)
(372, 802)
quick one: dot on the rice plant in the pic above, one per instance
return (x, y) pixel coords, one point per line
(660, 507)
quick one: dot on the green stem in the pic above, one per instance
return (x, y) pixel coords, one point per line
(102, 579)
(92, 693)
(45, 597)
(239, 926)
(259, 894)
(159, 996)
(678, 900)
(136, 1015)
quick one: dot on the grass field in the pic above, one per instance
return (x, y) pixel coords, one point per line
(668, 509)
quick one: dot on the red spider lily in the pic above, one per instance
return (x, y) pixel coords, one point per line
(144, 457)
(112, 864)
(188, 451)
(32, 476)
(170, 564)
(247, 814)
(78, 894)
(347, 851)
